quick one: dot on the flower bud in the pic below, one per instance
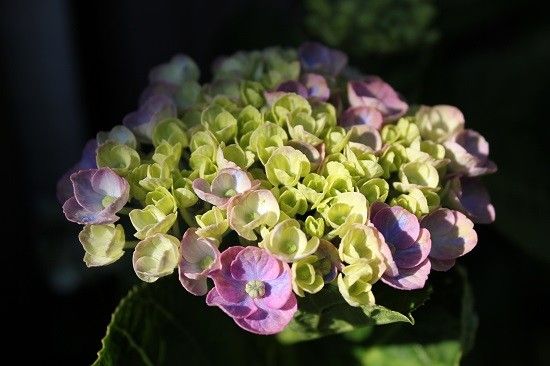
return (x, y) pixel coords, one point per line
(156, 257)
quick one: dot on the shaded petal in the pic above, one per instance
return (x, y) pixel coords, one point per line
(88, 158)
(366, 135)
(84, 192)
(315, 57)
(452, 233)
(235, 310)
(316, 86)
(254, 263)
(153, 110)
(293, 86)
(416, 253)
(230, 289)
(108, 183)
(277, 291)
(198, 287)
(410, 278)
(361, 115)
(442, 265)
(158, 88)
(202, 190)
(476, 201)
(269, 321)
(64, 187)
(74, 212)
(375, 92)
(474, 143)
(399, 227)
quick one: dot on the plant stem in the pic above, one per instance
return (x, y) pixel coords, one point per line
(130, 244)
(125, 210)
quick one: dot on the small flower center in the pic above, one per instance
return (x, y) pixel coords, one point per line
(107, 200)
(206, 262)
(230, 192)
(290, 247)
(255, 289)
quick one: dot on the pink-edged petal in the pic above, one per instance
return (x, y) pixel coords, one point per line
(315, 57)
(415, 254)
(277, 291)
(466, 163)
(202, 190)
(272, 321)
(375, 92)
(476, 201)
(74, 212)
(316, 86)
(362, 115)
(236, 310)
(195, 248)
(399, 227)
(442, 265)
(410, 278)
(254, 263)
(473, 142)
(108, 183)
(230, 289)
(293, 86)
(375, 208)
(452, 233)
(84, 192)
(198, 286)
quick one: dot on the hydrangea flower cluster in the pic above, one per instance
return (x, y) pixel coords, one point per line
(289, 174)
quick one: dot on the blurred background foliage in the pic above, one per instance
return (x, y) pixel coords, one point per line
(71, 68)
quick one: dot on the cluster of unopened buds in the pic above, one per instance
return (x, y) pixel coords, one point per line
(289, 173)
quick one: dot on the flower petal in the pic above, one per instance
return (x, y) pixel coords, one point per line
(235, 310)
(253, 263)
(452, 233)
(84, 192)
(375, 92)
(198, 287)
(292, 86)
(277, 291)
(410, 278)
(316, 86)
(399, 227)
(362, 115)
(416, 253)
(269, 321)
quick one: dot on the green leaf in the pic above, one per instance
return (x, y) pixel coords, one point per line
(444, 329)
(328, 313)
(161, 324)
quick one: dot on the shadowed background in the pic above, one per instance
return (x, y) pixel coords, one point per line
(70, 69)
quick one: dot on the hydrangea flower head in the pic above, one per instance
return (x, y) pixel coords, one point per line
(289, 174)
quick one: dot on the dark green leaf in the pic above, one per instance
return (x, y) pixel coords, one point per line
(328, 313)
(443, 332)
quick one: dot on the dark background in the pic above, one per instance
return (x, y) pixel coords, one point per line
(69, 69)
